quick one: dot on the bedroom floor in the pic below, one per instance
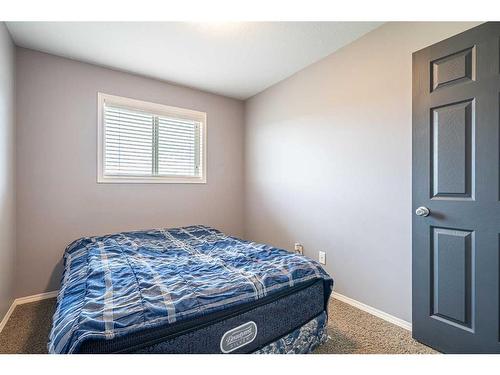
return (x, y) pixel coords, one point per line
(351, 331)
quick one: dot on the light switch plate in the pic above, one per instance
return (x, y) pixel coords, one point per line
(322, 257)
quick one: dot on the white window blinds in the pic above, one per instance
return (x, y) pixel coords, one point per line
(178, 151)
(129, 142)
(140, 143)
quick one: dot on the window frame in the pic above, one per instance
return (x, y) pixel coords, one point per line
(156, 109)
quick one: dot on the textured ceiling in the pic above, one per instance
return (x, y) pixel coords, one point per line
(233, 59)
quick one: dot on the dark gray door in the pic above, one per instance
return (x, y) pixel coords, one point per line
(456, 106)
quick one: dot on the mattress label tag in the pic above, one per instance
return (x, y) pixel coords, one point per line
(237, 337)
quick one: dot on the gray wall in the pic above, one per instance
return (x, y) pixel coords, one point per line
(328, 163)
(7, 173)
(58, 199)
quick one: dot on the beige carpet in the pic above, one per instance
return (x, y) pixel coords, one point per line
(351, 331)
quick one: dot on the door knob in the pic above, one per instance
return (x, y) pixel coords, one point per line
(423, 211)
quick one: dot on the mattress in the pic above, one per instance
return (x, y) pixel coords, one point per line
(270, 318)
(182, 290)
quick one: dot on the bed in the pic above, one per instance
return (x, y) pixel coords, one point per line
(187, 290)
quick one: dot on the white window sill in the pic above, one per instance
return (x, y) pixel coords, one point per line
(149, 180)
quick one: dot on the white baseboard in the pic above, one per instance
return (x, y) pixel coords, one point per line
(36, 297)
(23, 300)
(372, 310)
(7, 316)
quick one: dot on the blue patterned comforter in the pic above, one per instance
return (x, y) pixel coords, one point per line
(122, 283)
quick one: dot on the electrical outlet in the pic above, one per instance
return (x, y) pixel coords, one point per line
(299, 249)
(322, 257)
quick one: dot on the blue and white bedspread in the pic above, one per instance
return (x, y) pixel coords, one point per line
(122, 283)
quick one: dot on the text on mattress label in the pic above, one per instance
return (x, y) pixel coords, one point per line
(237, 337)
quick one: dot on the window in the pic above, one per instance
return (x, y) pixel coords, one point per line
(147, 142)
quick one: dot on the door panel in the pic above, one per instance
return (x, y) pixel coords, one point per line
(452, 130)
(456, 160)
(452, 284)
(453, 69)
